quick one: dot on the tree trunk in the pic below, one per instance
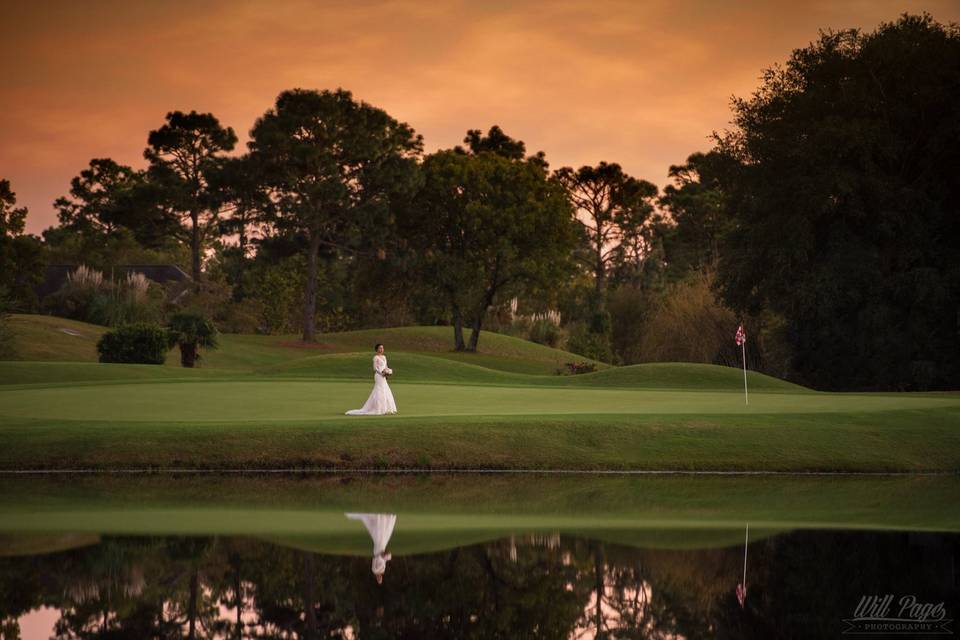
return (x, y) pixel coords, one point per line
(599, 572)
(192, 606)
(458, 329)
(475, 333)
(599, 272)
(309, 595)
(481, 312)
(238, 596)
(188, 354)
(310, 299)
(195, 249)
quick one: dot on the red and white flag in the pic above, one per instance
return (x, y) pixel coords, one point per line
(741, 595)
(741, 336)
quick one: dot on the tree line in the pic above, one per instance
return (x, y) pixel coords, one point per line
(242, 587)
(825, 219)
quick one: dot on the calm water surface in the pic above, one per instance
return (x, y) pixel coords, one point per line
(86, 559)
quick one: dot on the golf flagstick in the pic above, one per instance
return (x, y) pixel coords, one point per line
(742, 341)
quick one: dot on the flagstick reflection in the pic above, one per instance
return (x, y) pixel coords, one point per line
(742, 587)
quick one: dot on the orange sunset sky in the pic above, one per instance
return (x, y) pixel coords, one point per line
(640, 83)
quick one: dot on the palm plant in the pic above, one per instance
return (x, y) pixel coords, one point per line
(191, 331)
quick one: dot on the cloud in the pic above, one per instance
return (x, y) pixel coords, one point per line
(641, 83)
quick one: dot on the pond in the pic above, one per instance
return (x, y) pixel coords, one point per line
(477, 556)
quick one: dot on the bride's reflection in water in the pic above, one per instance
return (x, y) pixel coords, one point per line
(380, 527)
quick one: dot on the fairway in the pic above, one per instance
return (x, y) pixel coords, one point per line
(298, 400)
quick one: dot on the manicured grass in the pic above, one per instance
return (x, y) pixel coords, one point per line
(260, 403)
(923, 439)
(421, 368)
(39, 337)
(277, 402)
(42, 338)
(445, 511)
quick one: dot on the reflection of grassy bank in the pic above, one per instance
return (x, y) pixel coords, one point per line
(443, 511)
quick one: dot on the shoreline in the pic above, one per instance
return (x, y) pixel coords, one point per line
(334, 471)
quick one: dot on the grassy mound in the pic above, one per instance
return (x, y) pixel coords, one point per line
(48, 338)
(418, 354)
(419, 368)
(39, 337)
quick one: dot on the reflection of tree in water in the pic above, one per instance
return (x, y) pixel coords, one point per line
(544, 586)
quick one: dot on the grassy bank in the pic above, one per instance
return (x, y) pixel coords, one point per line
(268, 402)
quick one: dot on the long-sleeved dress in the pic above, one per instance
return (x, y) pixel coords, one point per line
(381, 398)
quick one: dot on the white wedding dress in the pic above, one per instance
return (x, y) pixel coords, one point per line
(381, 398)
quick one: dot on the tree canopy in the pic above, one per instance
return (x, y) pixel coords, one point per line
(99, 198)
(184, 154)
(613, 209)
(486, 226)
(845, 202)
(22, 259)
(695, 203)
(12, 218)
(334, 169)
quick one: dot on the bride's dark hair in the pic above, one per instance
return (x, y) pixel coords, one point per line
(377, 346)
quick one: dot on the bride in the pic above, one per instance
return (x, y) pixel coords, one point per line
(381, 398)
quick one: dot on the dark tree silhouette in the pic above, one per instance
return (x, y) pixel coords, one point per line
(696, 205)
(334, 168)
(485, 227)
(99, 198)
(612, 208)
(183, 154)
(22, 257)
(13, 219)
(845, 206)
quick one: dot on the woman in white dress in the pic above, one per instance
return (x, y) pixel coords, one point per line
(381, 398)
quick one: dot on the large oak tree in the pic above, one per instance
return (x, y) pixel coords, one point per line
(486, 226)
(335, 169)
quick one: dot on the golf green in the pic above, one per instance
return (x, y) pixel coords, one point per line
(266, 402)
(297, 400)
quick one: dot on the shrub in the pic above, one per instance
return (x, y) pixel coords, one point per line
(689, 324)
(519, 327)
(544, 331)
(190, 331)
(629, 311)
(576, 368)
(83, 296)
(83, 277)
(88, 297)
(140, 343)
(244, 316)
(584, 342)
(137, 287)
(7, 347)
